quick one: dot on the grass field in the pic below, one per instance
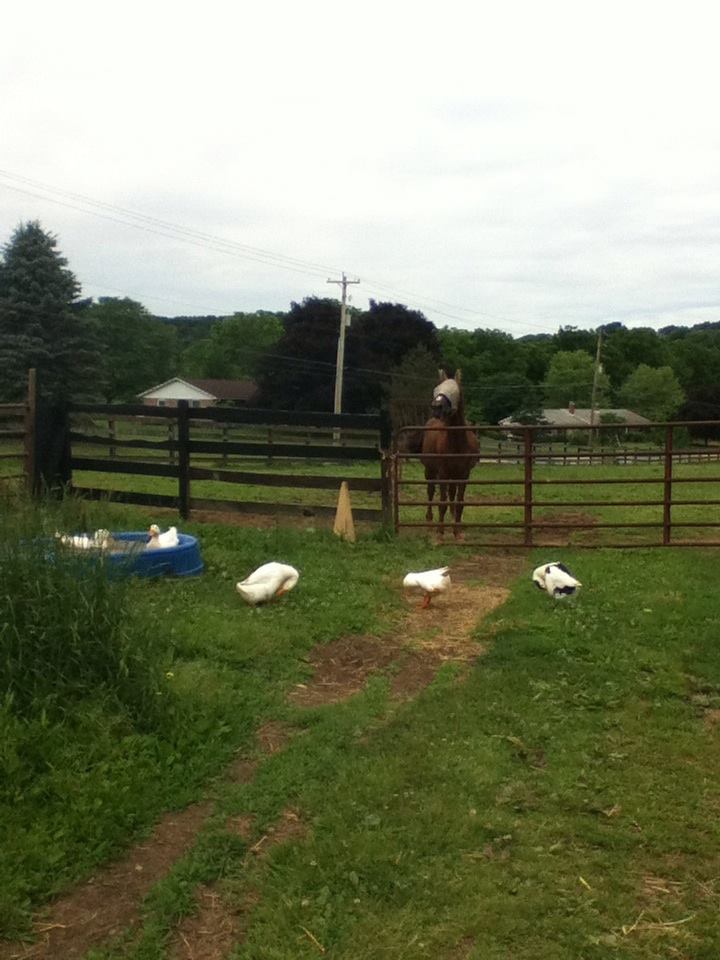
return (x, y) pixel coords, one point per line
(557, 801)
(562, 489)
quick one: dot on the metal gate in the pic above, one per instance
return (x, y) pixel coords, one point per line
(621, 487)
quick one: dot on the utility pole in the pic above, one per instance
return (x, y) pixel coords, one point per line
(596, 372)
(340, 362)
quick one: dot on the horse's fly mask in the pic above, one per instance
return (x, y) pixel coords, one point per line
(446, 394)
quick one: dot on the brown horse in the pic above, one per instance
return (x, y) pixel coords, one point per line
(448, 455)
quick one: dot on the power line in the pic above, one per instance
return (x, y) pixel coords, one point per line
(146, 221)
(169, 230)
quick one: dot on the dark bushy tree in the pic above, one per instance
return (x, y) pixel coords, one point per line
(378, 341)
(41, 323)
(300, 372)
(702, 403)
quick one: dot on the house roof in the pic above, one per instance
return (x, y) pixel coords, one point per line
(227, 389)
(581, 417)
(212, 389)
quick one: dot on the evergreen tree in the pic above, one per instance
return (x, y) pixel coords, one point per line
(42, 324)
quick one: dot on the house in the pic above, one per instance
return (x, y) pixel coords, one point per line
(565, 419)
(200, 393)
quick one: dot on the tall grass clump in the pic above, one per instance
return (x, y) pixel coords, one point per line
(67, 630)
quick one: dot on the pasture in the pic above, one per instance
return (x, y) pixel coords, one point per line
(340, 774)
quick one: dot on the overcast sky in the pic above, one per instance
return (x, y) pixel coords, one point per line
(508, 165)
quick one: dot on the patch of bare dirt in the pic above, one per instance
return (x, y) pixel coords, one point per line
(242, 826)
(216, 928)
(463, 949)
(213, 930)
(242, 770)
(271, 737)
(274, 736)
(341, 669)
(422, 642)
(289, 827)
(107, 904)
(711, 718)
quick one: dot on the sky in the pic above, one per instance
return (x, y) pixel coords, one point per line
(518, 166)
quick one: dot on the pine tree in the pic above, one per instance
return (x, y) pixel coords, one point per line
(42, 324)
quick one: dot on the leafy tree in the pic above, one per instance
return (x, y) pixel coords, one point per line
(235, 346)
(695, 358)
(491, 362)
(570, 379)
(624, 349)
(139, 350)
(569, 339)
(42, 324)
(410, 388)
(503, 394)
(536, 351)
(653, 392)
(300, 372)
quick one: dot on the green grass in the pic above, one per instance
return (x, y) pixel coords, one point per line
(227, 667)
(516, 814)
(519, 812)
(557, 486)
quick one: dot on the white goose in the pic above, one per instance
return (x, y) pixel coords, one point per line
(556, 579)
(268, 581)
(161, 540)
(77, 541)
(104, 539)
(431, 582)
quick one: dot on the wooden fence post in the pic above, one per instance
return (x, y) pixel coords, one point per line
(183, 458)
(31, 481)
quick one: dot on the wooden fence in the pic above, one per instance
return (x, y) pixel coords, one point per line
(13, 452)
(195, 444)
(55, 448)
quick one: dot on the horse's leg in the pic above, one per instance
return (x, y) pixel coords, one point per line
(430, 495)
(442, 507)
(459, 495)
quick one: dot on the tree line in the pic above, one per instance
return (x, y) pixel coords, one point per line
(113, 348)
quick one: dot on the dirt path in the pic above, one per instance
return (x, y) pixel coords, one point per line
(109, 903)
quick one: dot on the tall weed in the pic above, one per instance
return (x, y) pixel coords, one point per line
(67, 630)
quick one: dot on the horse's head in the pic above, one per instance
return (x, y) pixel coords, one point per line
(446, 395)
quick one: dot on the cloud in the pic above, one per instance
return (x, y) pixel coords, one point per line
(517, 166)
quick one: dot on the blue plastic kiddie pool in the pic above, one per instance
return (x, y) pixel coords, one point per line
(130, 557)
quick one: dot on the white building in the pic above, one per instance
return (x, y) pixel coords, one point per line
(200, 393)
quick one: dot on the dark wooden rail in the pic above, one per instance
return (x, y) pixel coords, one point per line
(177, 456)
